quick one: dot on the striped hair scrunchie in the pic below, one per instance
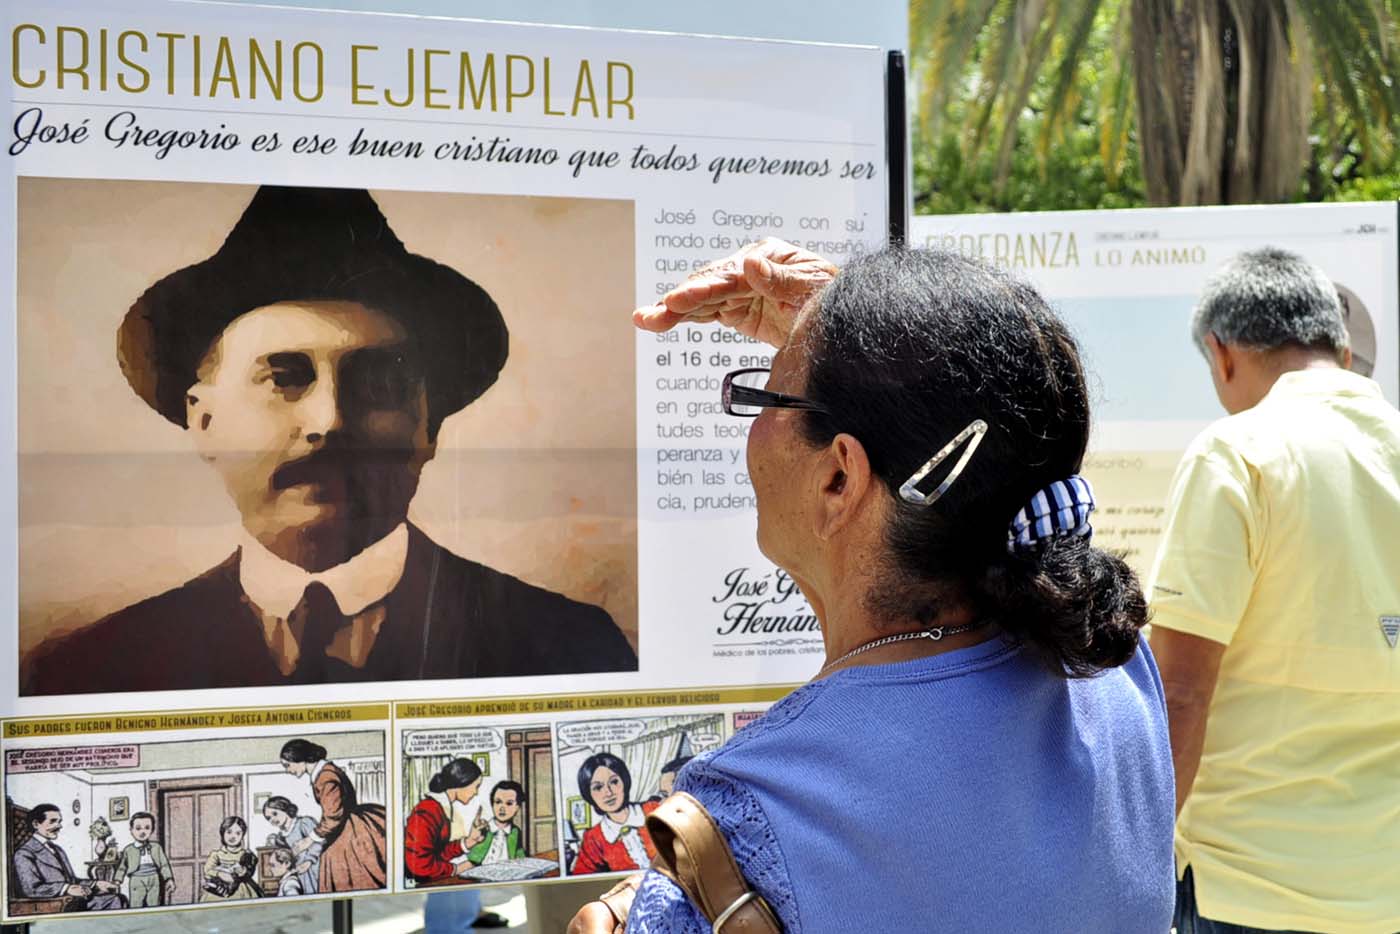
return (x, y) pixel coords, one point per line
(1059, 510)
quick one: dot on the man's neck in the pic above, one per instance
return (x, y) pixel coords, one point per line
(276, 586)
(319, 549)
(1294, 359)
(1269, 366)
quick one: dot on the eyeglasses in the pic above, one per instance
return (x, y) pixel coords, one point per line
(742, 394)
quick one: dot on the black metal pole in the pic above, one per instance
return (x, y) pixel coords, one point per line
(343, 916)
(897, 147)
(14, 928)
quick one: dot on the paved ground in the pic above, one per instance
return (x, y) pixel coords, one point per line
(386, 914)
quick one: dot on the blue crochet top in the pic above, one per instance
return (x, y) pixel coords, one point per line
(970, 791)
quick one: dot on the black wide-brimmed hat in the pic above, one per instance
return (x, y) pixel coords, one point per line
(307, 244)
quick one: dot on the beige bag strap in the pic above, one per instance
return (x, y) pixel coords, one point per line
(618, 900)
(692, 852)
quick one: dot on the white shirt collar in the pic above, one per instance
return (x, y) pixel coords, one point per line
(612, 829)
(276, 586)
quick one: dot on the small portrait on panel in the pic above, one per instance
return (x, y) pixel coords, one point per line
(1361, 329)
(308, 367)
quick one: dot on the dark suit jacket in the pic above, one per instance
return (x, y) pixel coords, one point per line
(447, 618)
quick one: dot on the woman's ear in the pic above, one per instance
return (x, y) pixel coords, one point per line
(843, 482)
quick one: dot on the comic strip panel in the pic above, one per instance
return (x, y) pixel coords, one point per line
(479, 804)
(97, 825)
(613, 773)
(743, 718)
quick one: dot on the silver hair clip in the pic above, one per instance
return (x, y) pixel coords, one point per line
(909, 492)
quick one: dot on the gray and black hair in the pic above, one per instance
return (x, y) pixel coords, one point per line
(907, 348)
(1270, 298)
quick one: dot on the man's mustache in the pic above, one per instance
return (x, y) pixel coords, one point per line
(338, 463)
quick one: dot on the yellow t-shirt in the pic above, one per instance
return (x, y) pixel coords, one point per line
(1282, 541)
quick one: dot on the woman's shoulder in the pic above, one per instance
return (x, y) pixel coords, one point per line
(328, 771)
(740, 814)
(775, 721)
(428, 807)
(845, 698)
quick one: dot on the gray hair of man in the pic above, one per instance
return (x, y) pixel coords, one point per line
(1270, 298)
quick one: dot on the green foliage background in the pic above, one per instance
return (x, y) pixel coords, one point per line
(1078, 171)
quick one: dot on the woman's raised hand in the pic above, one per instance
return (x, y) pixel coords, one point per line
(758, 291)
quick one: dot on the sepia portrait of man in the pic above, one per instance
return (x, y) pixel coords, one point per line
(311, 362)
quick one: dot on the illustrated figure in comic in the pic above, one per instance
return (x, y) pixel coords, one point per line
(230, 870)
(43, 870)
(619, 841)
(669, 771)
(291, 829)
(283, 865)
(502, 837)
(312, 360)
(351, 834)
(144, 865)
(429, 852)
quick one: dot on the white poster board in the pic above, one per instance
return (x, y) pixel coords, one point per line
(1127, 281)
(238, 233)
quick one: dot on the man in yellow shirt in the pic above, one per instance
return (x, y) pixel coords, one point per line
(1276, 602)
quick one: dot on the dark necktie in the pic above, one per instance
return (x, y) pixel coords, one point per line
(62, 861)
(320, 619)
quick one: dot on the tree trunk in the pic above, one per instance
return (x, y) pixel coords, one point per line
(1162, 96)
(1223, 100)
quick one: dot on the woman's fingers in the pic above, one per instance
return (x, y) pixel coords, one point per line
(656, 318)
(660, 318)
(717, 283)
(788, 277)
(758, 291)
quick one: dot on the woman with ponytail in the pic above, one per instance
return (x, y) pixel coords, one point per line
(350, 833)
(985, 746)
(429, 852)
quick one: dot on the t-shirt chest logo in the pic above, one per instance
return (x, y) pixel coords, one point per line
(1390, 628)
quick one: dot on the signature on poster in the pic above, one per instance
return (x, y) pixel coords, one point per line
(763, 603)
